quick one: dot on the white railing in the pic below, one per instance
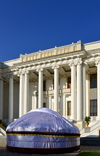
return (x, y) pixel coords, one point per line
(82, 131)
(67, 90)
(92, 128)
(2, 132)
(95, 126)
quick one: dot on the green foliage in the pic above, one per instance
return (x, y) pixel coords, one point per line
(87, 119)
(89, 153)
(0, 121)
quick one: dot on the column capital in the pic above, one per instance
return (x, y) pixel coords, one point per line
(39, 69)
(10, 75)
(23, 71)
(97, 61)
(26, 71)
(78, 61)
(55, 66)
(71, 62)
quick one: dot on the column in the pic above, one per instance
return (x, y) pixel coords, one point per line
(56, 91)
(84, 92)
(34, 100)
(98, 89)
(21, 96)
(73, 89)
(10, 113)
(79, 92)
(64, 105)
(26, 103)
(1, 98)
(87, 94)
(50, 103)
(40, 89)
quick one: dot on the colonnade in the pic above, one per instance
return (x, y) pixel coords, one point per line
(24, 92)
(78, 91)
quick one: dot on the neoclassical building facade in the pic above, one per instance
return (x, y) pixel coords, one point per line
(65, 79)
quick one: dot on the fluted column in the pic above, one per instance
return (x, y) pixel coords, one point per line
(26, 103)
(73, 90)
(84, 91)
(21, 95)
(64, 105)
(1, 98)
(40, 88)
(98, 88)
(79, 91)
(10, 113)
(56, 91)
(87, 94)
(50, 102)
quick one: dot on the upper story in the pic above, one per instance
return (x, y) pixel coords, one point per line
(64, 56)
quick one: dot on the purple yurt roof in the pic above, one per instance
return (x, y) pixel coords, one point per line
(42, 129)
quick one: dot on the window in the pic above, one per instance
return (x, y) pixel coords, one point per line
(44, 85)
(68, 107)
(44, 105)
(69, 82)
(93, 81)
(93, 107)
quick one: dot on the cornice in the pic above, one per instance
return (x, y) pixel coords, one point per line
(64, 56)
(61, 59)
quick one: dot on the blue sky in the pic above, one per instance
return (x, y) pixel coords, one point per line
(27, 26)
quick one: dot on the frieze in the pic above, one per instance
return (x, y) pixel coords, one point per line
(44, 62)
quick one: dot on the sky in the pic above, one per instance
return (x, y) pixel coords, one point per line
(27, 26)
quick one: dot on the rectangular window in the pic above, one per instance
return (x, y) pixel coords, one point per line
(69, 82)
(93, 107)
(93, 81)
(44, 85)
(68, 107)
(44, 105)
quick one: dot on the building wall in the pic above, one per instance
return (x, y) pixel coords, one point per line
(76, 60)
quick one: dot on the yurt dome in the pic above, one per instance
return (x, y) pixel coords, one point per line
(42, 131)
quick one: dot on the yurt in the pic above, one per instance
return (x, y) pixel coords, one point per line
(42, 131)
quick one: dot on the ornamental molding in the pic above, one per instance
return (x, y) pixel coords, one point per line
(10, 75)
(97, 61)
(55, 66)
(78, 61)
(61, 59)
(87, 69)
(56, 58)
(71, 62)
(21, 72)
(39, 69)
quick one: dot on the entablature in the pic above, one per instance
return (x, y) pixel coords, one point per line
(52, 52)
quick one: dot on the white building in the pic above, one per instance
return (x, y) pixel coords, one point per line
(65, 79)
